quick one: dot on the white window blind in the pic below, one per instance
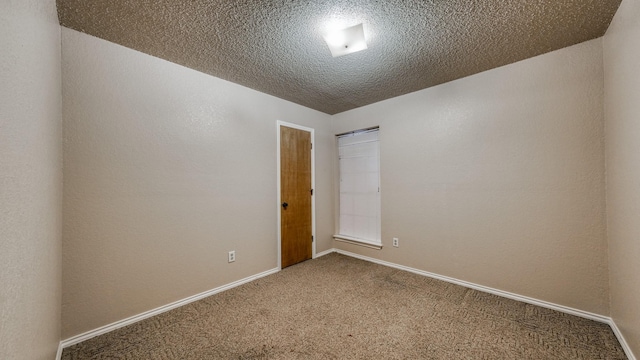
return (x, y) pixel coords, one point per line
(359, 157)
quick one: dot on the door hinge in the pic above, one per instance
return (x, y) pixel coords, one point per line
(311, 238)
(311, 192)
(311, 146)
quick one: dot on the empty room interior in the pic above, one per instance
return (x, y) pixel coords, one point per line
(319, 179)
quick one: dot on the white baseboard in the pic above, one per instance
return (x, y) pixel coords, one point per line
(509, 295)
(545, 304)
(59, 353)
(622, 340)
(565, 309)
(147, 314)
(323, 253)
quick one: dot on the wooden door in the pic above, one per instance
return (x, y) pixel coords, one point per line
(295, 194)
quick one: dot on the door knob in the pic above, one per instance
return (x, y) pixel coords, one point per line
(284, 205)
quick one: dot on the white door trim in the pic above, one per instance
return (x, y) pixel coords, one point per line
(279, 124)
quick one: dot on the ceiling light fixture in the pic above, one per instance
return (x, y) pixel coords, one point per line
(346, 41)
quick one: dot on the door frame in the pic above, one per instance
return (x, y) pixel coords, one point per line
(279, 124)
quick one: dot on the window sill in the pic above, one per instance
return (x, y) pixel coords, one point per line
(359, 242)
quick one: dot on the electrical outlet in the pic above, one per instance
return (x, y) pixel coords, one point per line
(396, 242)
(232, 256)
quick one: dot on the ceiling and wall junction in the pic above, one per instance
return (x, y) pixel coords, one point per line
(277, 46)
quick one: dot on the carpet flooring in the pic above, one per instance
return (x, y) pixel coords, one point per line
(338, 307)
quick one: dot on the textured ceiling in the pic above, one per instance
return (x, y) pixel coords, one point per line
(276, 46)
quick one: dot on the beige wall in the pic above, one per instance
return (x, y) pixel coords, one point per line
(495, 179)
(622, 119)
(498, 178)
(166, 170)
(30, 179)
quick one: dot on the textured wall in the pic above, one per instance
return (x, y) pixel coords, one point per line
(166, 170)
(30, 180)
(498, 178)
(622, 135)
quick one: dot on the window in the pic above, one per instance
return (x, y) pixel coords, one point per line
(359, 160)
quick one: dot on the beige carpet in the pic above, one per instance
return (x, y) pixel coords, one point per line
(337, 307)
